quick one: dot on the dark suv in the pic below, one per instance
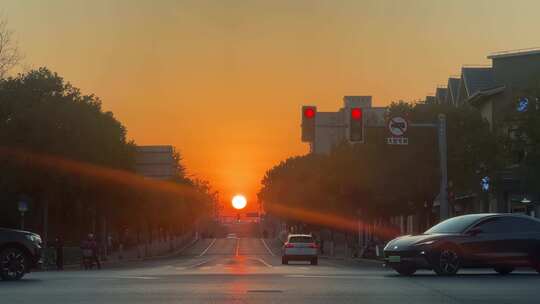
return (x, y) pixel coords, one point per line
(20, 252)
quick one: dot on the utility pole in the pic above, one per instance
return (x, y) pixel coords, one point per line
(443, 163)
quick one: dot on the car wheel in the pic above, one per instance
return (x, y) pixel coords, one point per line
(284, 261)
(504, 270)
(314, 261)
(405, 270)
(13, 264)
(447, 262)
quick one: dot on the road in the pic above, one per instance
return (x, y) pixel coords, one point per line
(249, 270)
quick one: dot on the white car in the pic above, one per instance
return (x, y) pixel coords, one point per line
(300, 247)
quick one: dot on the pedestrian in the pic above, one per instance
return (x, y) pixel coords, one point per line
(59, 246)
(95, 252)
(109, 243)
(90, 252)
(86, 252)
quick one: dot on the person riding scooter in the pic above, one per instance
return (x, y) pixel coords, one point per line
(90, 252)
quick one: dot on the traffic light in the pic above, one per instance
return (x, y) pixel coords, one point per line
(356, 125)
(308, 123)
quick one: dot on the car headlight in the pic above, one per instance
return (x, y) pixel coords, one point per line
(34, 238)
(425, 243)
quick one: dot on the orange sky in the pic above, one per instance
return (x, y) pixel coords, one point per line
(224, 80)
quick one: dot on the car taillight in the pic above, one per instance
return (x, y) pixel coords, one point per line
(289, 245)
(312, 245)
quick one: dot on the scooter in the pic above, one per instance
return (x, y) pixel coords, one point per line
(88, 260)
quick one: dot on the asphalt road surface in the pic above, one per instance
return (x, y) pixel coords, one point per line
(247, 270)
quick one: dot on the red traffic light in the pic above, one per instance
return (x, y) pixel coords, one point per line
(309, 112)
(356, 113)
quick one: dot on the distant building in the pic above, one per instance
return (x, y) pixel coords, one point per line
(155, 162)
(332, 128)
(431, 99)
(452, 94)
(440, 95)
(329, 131)
(473, 80)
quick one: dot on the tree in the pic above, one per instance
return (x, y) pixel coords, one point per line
(59, 147)
(520, 135)
(473, 149)
(379, 180)
(10, 55)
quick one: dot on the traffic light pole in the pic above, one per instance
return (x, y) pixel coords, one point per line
(443, 160)
(444, 210)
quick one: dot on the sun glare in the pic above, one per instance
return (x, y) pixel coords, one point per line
(239, 202)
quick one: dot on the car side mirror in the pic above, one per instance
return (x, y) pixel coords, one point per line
(474, 231)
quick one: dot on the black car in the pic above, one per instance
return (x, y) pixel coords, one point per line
(499, 241)
(20, 252)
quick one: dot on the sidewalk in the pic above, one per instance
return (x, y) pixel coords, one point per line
(155, 250)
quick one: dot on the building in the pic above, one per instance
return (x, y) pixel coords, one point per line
(441, 95)
(332, 128)
(493, 90)
(430, 99)
(329, 131)
(512, 72)
(452, 87)
(473, 80)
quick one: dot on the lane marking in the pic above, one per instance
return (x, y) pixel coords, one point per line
(267, 248)
(135, 277)
(211, 244)
(200, 263)
(237, 246)
(264, 262)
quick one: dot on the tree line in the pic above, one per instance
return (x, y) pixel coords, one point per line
(374, 180)
(73, 164)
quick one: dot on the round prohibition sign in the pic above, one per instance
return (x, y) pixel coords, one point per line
(398, 125)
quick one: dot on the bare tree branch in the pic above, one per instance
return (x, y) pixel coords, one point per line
(10, 55)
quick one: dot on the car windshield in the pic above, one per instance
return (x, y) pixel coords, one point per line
(300, 239)
(454, 225)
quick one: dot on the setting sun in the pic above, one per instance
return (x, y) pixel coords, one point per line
(239, 202)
